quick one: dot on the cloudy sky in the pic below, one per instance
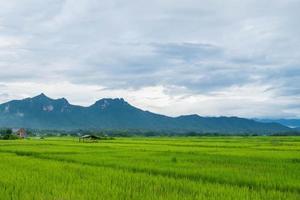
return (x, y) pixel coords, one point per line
(210, 57)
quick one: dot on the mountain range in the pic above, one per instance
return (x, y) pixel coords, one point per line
(42, 112)
(293, 123)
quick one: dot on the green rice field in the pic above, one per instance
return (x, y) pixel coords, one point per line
(151, 168)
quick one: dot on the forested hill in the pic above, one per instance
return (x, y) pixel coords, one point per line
(42, 112)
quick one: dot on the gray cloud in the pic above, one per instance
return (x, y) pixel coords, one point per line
(192, 48)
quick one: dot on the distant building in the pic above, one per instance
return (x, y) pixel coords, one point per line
(21, 133)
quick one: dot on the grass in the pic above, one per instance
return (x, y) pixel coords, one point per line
(151, 168)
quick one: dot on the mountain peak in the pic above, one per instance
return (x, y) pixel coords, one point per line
(64, 100)
(41, 96)
(111, 100)
(108, 102)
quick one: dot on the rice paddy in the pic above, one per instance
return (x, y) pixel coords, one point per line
(151, 168)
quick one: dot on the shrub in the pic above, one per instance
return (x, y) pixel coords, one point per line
(9, 137)
(174, 160)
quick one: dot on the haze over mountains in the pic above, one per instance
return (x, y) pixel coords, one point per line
(293, 123)
(42, 112)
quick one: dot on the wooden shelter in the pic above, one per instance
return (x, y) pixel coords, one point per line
(89, 138)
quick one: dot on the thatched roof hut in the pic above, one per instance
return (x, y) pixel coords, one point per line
(89, 138)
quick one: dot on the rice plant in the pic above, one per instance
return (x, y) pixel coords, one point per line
(151, 168)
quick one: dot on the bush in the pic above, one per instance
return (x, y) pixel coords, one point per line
(9, 137)
(174, 160)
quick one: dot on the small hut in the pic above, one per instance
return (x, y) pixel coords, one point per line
(21, 133)
(89, 138)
